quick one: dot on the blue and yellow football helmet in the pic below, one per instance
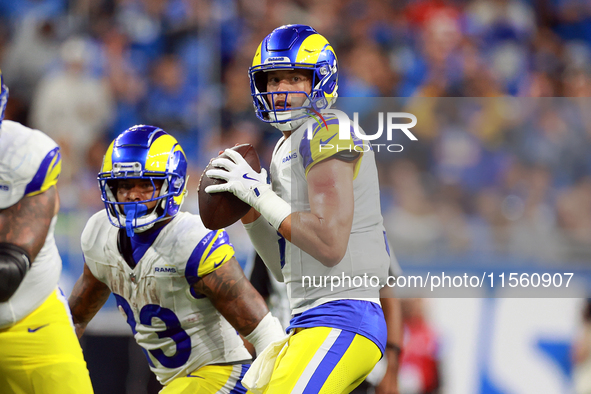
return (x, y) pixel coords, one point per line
(292, 47)
(3, 97)
(143, 152)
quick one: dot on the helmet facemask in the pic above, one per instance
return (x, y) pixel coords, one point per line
(282, 117)
(135, 216)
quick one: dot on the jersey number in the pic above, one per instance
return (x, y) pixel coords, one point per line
(173, 331)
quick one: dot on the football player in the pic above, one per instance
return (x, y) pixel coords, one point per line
(39, 351)
(322, 209)
(176, 282)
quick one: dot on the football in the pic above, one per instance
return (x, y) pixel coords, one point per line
(219, 210)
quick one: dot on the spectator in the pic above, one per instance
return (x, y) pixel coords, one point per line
(73, 107)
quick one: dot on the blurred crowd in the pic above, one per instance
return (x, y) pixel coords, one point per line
(492, 180)
(480, 182)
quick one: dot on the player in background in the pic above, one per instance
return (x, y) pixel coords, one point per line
(39, 351)
(177, 283)
(322, 210)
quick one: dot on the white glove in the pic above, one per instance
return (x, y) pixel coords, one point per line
(249, 186)
(241, 180)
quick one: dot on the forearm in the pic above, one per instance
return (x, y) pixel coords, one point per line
(26, 223)
(246, 309)
(234, 297)
(80, 328)
(81, 317)
(87, 298)
(243, 307)
(266, 242)
(393, 315)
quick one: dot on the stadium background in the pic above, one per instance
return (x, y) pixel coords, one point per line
(475, 191)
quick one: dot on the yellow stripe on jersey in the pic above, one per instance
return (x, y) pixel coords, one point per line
(217, 258)
(326, 142)
(211, 253)
(47, 174)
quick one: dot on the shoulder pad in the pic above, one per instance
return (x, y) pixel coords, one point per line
(30, 163)
(95, 235)
(326, 141)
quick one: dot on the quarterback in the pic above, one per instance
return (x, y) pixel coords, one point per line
(176, 282)
(39, 351)
(322, 208)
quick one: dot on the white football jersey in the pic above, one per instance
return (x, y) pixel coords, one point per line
(179, 330)
(30, 163)
(367, 252)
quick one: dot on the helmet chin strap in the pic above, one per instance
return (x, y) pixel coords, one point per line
(133, 212)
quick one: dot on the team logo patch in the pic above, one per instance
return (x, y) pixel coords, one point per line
(287, 158)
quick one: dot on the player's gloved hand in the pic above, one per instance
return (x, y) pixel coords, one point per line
(241, 180)
(249, 186)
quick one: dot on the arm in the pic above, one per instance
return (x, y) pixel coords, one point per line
(23, 229)
(265, 240)
(87, 298)
(582, 346)
(243, 307)
(26, 223)
(324, 231)
(393, 315)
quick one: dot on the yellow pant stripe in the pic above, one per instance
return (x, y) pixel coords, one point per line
(323, 360)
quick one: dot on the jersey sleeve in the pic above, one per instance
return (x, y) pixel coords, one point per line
(47, 173)
(92, 240)
(326, 143)
(30, 163)
(213, 251)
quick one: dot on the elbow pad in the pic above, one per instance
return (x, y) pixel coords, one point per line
(14, 264)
